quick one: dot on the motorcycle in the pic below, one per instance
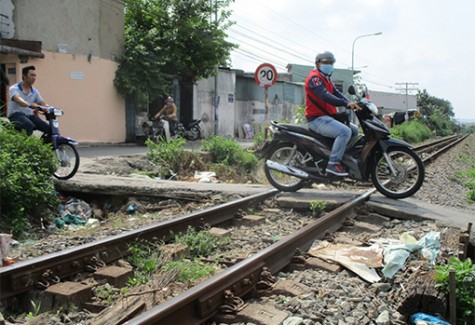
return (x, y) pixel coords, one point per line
(191, 132)
(64, 147)
(155, 130)
(296, 156)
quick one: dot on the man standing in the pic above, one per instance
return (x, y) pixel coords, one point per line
(24, 100)
(322, 98)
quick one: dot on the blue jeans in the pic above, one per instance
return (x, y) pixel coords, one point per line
(331, 128)
(29, 122)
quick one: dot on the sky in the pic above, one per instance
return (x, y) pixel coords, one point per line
(428, 44)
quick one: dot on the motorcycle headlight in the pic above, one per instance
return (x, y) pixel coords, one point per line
(58, 112)
(372, 107)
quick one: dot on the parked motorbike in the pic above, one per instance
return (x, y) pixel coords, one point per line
(190, 132)
(154, 129)
(297, 155)
(64, 147)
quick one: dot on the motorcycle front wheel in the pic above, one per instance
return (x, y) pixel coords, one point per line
(286, 154)
(68, 161)
(408, 176)
(193, 134)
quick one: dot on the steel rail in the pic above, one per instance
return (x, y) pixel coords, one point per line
(430, 146)
(23, 276)
(437, 153)
(202, 302)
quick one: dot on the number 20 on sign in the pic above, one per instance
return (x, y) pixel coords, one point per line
(265, 75)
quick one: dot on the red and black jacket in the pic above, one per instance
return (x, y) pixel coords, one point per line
(322, 97)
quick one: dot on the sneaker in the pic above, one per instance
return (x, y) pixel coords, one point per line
(336, 169)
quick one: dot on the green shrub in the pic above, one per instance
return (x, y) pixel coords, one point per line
(260, 139)
(299, 116)
(471, 190)
(468, 174)
(317, 207)
(26, 183)
(145, 258)
(228, 152)
(171, 158)
(464, 283)
(412, 132)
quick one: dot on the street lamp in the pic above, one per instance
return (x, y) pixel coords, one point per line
(353, 49)
(353, 58)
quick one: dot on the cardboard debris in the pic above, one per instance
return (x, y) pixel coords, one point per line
(361, 260)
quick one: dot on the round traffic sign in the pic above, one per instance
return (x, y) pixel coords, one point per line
(265, 75)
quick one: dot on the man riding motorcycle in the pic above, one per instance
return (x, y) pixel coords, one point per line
(168, 115)
(322, 97)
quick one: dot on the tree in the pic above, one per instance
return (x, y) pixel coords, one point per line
(437, 113)
(171, 39)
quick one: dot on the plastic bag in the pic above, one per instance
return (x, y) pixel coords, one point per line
(417, 317)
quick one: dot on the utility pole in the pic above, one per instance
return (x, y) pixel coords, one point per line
(406, 87)
(215, 101)
(216, 94)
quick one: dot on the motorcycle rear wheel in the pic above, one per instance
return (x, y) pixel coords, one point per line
(68, 161)
(409, 178)
(284, 153)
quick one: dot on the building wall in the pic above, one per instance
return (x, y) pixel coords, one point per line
(392, 102)
(203, 95)
(80, 40)
(94, 112)
(203, 104)
(242, 101)
(87, 27)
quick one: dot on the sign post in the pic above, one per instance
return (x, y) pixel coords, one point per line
(266, 76)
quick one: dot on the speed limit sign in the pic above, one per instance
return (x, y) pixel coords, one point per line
(265, 75)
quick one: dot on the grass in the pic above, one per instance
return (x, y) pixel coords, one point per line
(190, 271)
(467, 177)
(200, 243)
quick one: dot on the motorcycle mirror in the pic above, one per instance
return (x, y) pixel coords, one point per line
(352, 90)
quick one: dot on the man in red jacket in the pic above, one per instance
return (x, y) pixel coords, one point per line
(322, 98)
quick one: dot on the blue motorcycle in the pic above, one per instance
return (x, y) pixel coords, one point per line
(64, 147)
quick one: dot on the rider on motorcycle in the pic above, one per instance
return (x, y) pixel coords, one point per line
(168, 115)
(24, 100)
(322, 98)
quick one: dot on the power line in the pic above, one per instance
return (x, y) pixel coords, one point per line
(258, 58)
(407, 86)
(272, 32)
(270, 45)
(254, 56)
(262, 27)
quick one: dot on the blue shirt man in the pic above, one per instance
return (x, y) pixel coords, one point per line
(23, 100)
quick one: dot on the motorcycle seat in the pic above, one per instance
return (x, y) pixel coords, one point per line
(306, 131)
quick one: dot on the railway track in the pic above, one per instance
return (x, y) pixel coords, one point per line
(23, 276)
(430, 151)
(202, 302)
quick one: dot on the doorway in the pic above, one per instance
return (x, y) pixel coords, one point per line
(4, 83)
